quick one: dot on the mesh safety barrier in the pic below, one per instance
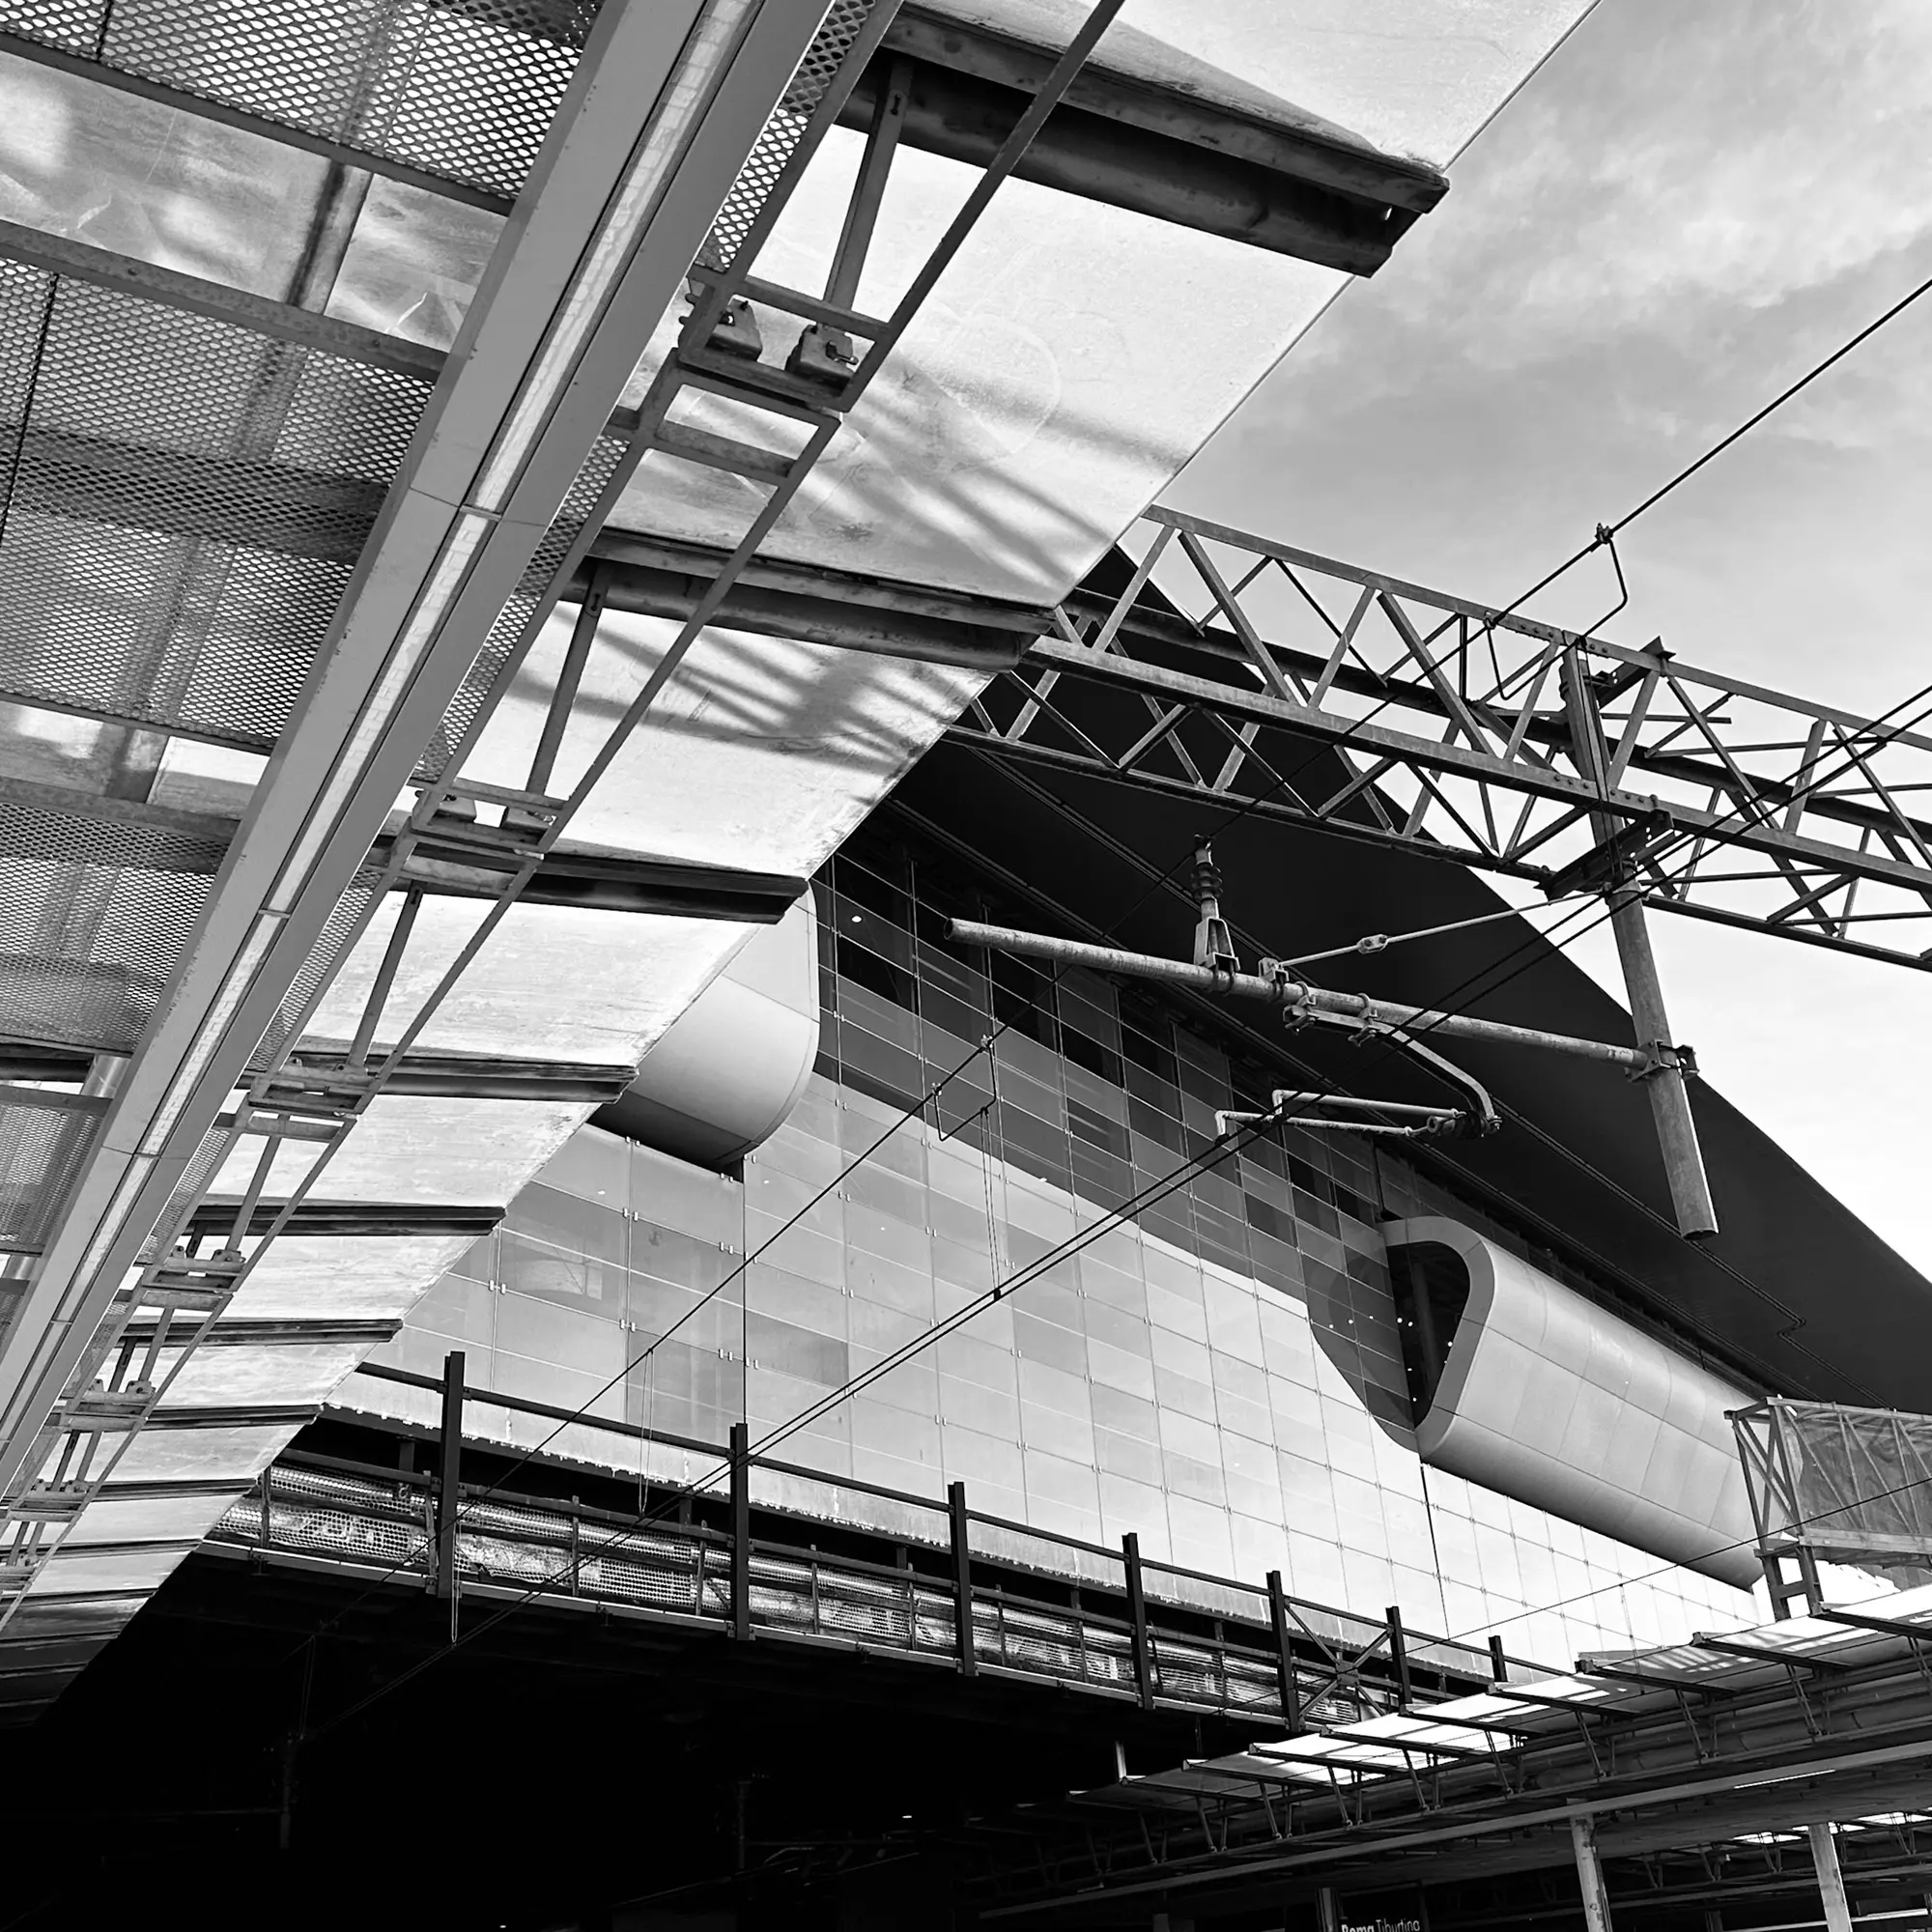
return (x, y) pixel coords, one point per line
(461, 89)
(43, 1139)
(337, 938)
(521, 611)
(1850, 1485)
(687, 1573)
(782, 132)
(185, 501)
(94, 913)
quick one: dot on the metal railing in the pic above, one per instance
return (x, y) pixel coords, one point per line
(1036, 1604)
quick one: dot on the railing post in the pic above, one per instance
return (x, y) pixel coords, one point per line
(741, 1529)
(962, 1579)
(1283, 1657)
(1130, 1559)
(449, 1482)
(1499, 1663)
(1399, 1656)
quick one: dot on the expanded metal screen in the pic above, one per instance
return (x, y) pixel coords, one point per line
(183, 503)
(525, 602)
(465, 89)
(337, 938)
(43, 1138)
(1846, 1485)
(94, 912)
(843, 23)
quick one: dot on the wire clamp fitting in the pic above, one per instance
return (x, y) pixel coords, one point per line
(1661, 1056)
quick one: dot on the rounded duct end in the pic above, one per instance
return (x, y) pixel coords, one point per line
(732, 1065)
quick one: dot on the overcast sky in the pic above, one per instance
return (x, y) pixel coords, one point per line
(1683, 212)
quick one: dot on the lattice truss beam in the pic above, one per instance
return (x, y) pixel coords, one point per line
(1228, 665)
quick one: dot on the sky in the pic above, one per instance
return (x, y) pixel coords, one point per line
(1683, 210)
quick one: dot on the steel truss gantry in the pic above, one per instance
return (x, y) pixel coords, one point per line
(1290, 687)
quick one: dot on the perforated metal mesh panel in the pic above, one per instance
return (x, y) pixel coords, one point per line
(43, 1142)
(338, 934)
(466, 90)
(785, 129)
(359, 1520)
(521, 613)
(94, 913)
(185, 501)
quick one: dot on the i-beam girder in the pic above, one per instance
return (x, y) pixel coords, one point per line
(1760, 810)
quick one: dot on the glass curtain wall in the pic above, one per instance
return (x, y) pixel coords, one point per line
(1223, 1375)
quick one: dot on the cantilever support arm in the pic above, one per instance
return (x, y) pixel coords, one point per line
(1294, 996)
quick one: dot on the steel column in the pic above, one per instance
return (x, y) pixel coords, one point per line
(1669, 1097)
(1284, 1656)
(1590, 1874)
(1830, 1879)
(449, 1482)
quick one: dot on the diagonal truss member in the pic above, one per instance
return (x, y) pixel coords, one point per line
(1302, 690)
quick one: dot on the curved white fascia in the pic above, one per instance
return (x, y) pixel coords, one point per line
(1550, 1398)
(730, 1069)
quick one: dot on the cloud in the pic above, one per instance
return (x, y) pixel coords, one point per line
(1789, 152)
(1675, 170)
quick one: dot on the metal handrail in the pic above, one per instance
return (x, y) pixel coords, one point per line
(1352, 1627)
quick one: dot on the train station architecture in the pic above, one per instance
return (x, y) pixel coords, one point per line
(766, 1159)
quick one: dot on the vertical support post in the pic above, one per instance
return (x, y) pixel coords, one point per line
(1328, 1908)
(1283, 1657)
(449, 1483)
(741, 1529)
(284, 1817)
(1831, 1878)
(1130, 1560)
(1399, 1656)
(556, 720)
(882, 140)
(962, 1579)
(1499, 1663)
(1590, 1874)
(1669, 1098)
